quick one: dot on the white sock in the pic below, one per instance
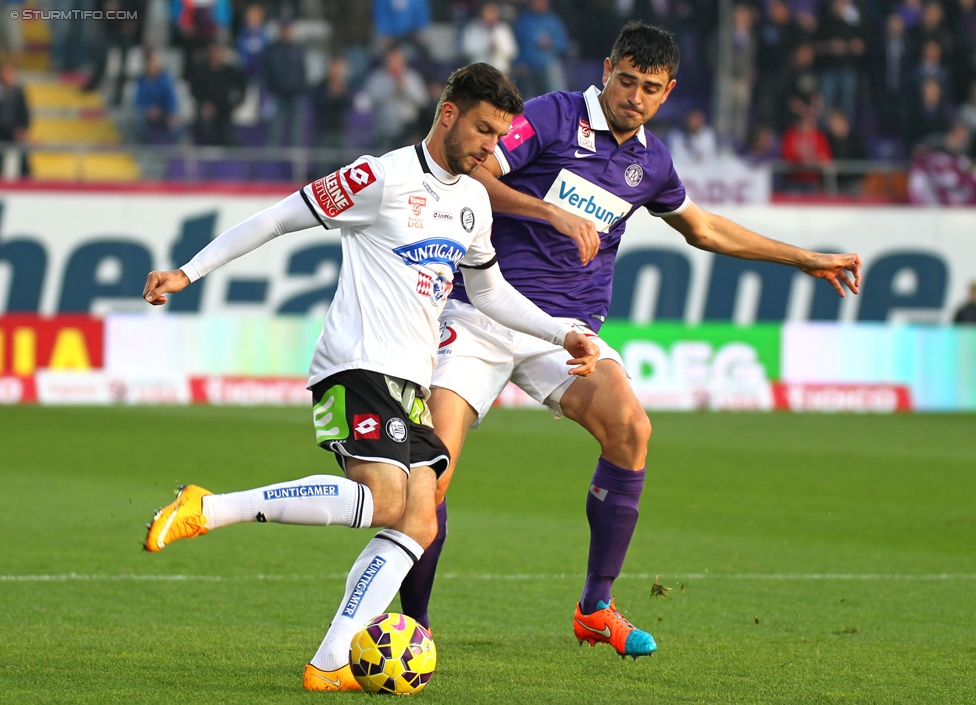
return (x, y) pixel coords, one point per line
(319, 500)
(371, 586)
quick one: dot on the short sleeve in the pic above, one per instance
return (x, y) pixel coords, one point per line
(531, 133)
(671, 198)
(348, 197)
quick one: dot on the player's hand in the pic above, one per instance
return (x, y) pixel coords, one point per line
(158, 284)
(580, 230)
(584, 351)
(835, 268)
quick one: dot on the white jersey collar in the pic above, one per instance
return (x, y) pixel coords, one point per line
(433, 168)
(598, 120)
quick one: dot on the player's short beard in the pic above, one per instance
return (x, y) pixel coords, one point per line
(454, 152)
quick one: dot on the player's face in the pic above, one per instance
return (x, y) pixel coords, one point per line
(473, 136)
(630, 96)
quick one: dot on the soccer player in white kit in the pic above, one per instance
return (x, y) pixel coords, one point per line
(408, 219)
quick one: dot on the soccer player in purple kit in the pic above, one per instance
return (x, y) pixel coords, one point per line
(562, 184)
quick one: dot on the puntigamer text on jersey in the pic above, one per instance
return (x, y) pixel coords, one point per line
(432, 251)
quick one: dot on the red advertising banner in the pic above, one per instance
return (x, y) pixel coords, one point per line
(30, 343)
(17, 390)
(883, 398)
(247, 391)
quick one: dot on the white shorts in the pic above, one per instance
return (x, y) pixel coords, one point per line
(478, 357)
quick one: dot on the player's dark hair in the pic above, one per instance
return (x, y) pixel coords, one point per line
(471, 84)
(648, 47)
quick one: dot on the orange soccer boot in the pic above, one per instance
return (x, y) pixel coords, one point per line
(608, 626)
(339, 679)
(181, 519)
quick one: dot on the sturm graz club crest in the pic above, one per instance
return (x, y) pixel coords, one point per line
(633, 175)
(467, 219)
(396, 429)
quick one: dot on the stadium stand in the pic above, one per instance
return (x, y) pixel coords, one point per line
(87, 133)
(62, 115)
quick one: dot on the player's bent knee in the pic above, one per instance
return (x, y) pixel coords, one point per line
(387, 512)
(629, 425)
(624, 439)
(389, 501)
(425, 533)
(640, 426)
(420, 526)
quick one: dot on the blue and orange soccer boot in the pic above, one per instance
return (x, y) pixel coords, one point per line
(608, 626)
(340, 679)
(182, 519)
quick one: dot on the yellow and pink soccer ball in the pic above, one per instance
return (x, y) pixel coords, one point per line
(393, 654)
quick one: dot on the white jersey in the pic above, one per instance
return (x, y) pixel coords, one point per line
(406, 225)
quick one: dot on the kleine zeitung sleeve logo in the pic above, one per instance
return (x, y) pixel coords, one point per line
(330, 195)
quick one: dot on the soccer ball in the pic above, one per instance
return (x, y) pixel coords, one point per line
(393, 654)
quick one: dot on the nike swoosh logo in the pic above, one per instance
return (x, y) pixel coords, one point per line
(605, 632)
(161, 539)
(580, 155)
(335, 682)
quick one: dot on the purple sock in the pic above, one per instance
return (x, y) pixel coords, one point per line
(611, 509)
(416, 587)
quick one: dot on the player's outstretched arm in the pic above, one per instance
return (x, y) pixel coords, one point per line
(505, 199)
(496, 298)
(286, 216)
(713, 233)
(158, 284)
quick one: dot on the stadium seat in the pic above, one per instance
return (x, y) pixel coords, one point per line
(65, 115)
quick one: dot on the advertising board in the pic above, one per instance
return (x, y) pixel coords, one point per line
(63, 252)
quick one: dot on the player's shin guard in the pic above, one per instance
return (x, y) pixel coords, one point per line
(612, 510)
(318, 500)
(372, 583)
(417, 586)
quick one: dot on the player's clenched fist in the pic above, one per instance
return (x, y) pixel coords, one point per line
(584, 352)
(158, 284)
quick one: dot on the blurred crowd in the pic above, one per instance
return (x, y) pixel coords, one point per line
(808, 82)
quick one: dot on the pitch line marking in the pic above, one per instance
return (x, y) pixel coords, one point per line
(82, 577)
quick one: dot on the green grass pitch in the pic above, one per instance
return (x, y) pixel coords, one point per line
(811, 559)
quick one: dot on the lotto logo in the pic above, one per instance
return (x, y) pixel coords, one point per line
(359, 177)
(366, 426)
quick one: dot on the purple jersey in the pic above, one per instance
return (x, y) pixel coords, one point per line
(561, 151)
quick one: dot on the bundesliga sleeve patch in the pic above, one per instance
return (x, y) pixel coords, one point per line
(521, 131)
(329, 193)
